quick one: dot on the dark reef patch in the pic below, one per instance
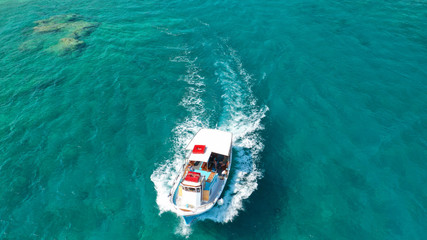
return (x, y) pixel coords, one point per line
(60, 34)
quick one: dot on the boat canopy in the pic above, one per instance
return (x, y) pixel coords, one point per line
(211, 141)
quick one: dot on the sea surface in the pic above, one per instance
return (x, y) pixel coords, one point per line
(327, 102)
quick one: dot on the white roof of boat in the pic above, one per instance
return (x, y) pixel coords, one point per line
(215, 141)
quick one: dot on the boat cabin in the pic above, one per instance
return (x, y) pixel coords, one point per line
(204, 174)
(200, 179)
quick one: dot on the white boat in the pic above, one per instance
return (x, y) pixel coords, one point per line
(203, 175)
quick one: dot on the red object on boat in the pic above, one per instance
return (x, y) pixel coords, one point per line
(192, 177)
(199, 149)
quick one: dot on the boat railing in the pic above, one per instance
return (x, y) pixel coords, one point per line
(204, 206)
(179, 174)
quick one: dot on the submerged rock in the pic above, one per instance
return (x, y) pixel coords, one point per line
(70, 43)
(31, 45)
(69, 28)
(54, 23)
(44, 28)
(59, 19)
(82, 29)
(66, 45)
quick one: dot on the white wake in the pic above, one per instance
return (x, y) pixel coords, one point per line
(240, 115)
(164, 176)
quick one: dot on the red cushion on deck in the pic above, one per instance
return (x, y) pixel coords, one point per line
(192, 177)
(199, 149)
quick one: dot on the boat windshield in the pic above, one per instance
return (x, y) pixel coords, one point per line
(191, 189)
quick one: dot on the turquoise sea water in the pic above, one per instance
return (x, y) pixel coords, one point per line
(327, 101)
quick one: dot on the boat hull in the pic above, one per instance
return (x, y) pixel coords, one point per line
(189, 219)
(216, 182)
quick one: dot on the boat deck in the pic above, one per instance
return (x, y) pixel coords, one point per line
(209, 160)
(214, 192)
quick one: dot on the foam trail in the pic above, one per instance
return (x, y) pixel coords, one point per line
(183, 229)
(164, 176)
(241, 116)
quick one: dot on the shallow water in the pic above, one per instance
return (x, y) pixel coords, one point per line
(326, 101)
